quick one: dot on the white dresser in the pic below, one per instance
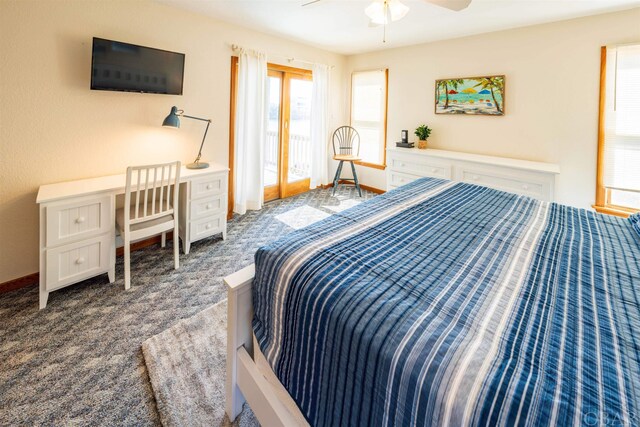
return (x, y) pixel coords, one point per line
(534, 179)
(77, 223)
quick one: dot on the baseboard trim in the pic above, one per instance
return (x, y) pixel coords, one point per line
(19, 283)
(364, 187)
(33, 278)
(144, 243)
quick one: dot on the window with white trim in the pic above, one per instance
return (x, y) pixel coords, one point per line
(619, 160)
(369, 114)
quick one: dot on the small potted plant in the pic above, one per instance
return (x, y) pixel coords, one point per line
(422, 132)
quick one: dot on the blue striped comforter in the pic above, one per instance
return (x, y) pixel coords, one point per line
(445, 303)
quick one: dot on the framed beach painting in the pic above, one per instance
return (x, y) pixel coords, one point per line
(482, 96)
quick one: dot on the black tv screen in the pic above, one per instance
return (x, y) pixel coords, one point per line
(132, 68)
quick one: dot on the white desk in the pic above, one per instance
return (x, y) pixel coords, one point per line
(77, 223)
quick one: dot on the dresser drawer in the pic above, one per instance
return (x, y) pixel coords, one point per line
(421, 168)
(505, 183)
(83, 218)
(77, 261)
(208, 186)
(208, 206)
(206, 227)
(396, 179)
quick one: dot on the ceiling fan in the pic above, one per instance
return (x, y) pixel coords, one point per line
(380, 12)
(456, 5)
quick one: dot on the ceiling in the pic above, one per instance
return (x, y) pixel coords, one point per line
(341, 25)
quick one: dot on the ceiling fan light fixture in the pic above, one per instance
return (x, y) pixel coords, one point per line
(381, 11)
(376, 12)
(397, 10)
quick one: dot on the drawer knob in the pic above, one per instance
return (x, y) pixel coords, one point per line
(434, 170)
(208, 226)
(476, 177)
(402, 165)
(80, 220)
(525, 187)
(209, 186)
(209, 206)
(80, 260)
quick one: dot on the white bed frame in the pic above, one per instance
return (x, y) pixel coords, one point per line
(245, 383)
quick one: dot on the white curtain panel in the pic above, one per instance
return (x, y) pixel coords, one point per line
(319, 125)
(250, 127)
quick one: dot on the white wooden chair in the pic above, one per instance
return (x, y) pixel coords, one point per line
(154, 212)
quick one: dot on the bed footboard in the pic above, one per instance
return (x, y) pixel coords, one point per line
(239, 333)
(244, 380)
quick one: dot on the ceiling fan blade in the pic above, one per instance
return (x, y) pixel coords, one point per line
(310, 3)
(456, 5)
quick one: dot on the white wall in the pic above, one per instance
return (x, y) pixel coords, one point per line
(552, 87)
(53, 128)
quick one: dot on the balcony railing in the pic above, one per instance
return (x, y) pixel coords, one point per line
(299, 156)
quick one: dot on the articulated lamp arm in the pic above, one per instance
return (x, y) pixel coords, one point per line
(173, 120)
(197, 160)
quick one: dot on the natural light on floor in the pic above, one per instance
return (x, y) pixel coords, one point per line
(301, 217)
(305, 215)
(344, 204)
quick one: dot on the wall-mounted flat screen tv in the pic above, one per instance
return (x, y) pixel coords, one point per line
(132, 68)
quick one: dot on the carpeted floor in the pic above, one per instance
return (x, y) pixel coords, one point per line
(186, 365)
(78, 362)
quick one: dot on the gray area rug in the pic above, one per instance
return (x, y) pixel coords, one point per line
(78, 362)
(187, 369)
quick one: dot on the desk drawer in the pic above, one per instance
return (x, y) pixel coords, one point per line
(77, 261)
(208, 206)
(80, 219)
(206, 227)
(208, 186)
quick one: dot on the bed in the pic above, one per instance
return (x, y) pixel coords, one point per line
(441, 303)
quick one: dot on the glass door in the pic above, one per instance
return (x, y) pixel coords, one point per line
(297, 141)
(287, 160)
(272, 175)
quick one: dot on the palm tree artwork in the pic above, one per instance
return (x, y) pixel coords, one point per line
(494, 84)
(444, 85)
(470, 95)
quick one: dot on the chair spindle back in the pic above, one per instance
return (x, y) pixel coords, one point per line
(156, 189)
(346, 141)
